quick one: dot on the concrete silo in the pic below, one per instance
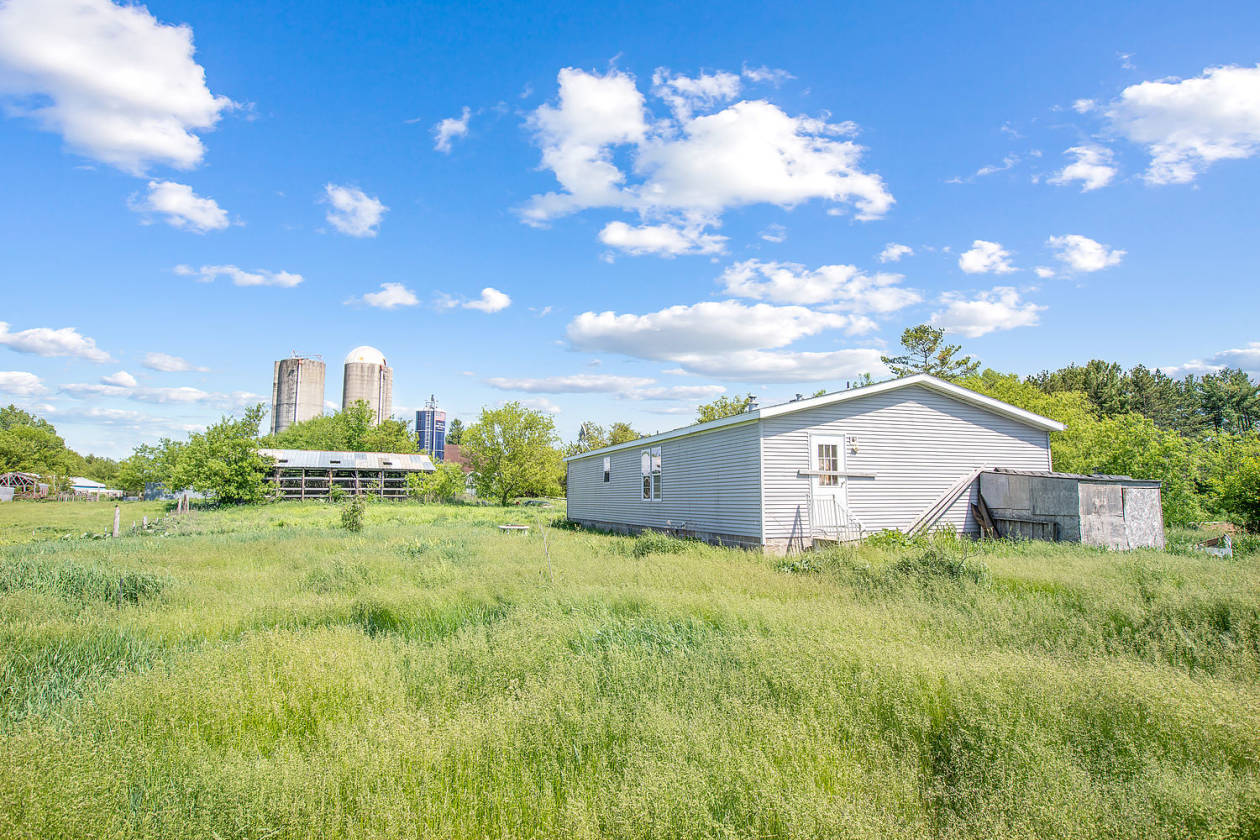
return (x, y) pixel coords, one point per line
(297, 391)
(370, 379)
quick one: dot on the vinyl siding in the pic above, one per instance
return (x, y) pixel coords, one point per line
(916, 440)
(710, 482)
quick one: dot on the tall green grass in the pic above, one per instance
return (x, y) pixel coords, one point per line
(278, 676)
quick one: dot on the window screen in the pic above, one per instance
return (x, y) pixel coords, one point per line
(607, 469)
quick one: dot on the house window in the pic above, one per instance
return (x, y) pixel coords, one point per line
(607, 469)
(651, 462)
(828, 462)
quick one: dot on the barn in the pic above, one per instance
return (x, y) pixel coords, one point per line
(904, 454)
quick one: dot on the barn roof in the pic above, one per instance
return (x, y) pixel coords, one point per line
(323, 459)
(921, 379)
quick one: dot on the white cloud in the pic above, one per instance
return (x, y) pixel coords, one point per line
(390, 296)
(663, 240)
(844, 287)
(1247, 358)
(594, 113)
(1084, 106)
(579, 383)
(181, 207)
(44, 341)
(774, 233)
(986, 257)
(998, 309)
(540, 404)
(167, 363)
(786, 366)
(773, 75)
(491, 300)
(1007, 163)
(183, 394)
(20, 383)
(695, 167)
(120, 378)
(450, 128)
(894, 251)
(116, 84)
(239, 276)
(352, 211)
(1044, 271)
(1092, 167)
(710, 327)
(1186, 125)
(683, 94)
(624, 387)
(1080, 253)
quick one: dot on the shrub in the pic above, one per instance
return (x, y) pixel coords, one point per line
(654, 542)
(352, 514)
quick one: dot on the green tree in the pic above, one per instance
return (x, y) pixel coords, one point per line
(622, 432)
(223, 461)
(455, 431)
(512, 453)
(1229, 401)
(37, 449)
(447, 482)
(351, 430)
(145, 464)
(1240, 487)
(11, 416)
(593, 436)
(724, 406)
(925, 353)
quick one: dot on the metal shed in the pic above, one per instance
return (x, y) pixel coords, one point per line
(310, 473)
(831, 468)
(1112, 511)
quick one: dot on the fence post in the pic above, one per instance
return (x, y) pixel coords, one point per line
(117, 515)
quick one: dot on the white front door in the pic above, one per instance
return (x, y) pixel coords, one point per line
(829, 507)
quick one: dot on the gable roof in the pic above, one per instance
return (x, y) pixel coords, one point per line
(924, 380)
(323, 459)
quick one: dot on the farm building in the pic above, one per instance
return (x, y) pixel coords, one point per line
(310, 473)
(905, 454)
(87, 488)
(21, 485)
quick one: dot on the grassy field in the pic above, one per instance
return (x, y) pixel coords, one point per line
(261, 673)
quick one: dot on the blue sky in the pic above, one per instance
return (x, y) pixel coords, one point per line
(610, 211)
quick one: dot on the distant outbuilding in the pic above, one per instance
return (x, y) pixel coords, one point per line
(311, 473)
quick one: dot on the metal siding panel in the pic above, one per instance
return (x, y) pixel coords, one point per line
(918, 441)
(709, 482)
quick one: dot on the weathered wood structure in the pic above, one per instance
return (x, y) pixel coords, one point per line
(311, 473)
(1111, 511)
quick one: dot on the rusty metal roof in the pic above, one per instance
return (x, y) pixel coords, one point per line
(320, 459)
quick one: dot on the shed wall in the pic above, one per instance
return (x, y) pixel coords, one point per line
(917, 441)
(710, 487)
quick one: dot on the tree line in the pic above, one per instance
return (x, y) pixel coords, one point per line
(31, 444)
(1199, 435)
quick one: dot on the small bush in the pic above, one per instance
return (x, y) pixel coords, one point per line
(352, 514)
(937, 562)
(654, 542)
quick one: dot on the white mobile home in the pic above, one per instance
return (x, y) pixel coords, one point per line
(833, 467)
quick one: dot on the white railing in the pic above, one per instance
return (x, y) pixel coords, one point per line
(830, 520)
